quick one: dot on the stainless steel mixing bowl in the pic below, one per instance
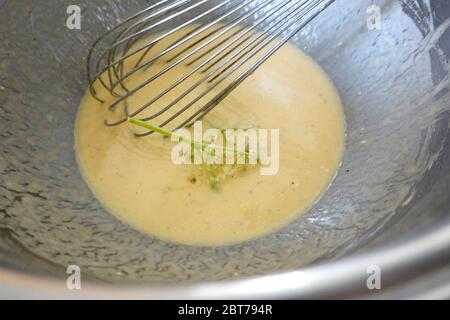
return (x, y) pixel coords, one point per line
(388, 207)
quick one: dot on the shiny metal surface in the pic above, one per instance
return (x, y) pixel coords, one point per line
(341, 280)
(389, 205)
(214, 53)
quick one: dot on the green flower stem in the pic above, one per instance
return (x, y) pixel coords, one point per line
(169, 134)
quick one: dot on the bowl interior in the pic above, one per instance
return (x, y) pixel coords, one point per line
(394, 84)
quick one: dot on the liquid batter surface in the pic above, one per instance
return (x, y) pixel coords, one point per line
(135, 179)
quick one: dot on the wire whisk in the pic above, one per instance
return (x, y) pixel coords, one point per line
(193, 53)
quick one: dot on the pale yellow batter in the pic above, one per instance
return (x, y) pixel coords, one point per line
(136, 180)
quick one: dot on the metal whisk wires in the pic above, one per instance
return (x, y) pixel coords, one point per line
(214, 45)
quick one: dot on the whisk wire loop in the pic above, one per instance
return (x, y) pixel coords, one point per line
(217, 44)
